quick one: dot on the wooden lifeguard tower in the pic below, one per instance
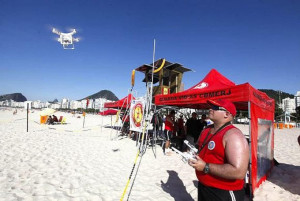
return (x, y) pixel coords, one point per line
(168, 75)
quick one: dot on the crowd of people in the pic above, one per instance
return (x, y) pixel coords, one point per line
(178, 130)
(171, 129)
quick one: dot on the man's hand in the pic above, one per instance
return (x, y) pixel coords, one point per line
(198, 164)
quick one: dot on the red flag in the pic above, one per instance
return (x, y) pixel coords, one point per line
(87, 102)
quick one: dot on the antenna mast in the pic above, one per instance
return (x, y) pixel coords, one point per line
(148, 106)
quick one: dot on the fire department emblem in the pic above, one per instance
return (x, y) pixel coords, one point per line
(137, 114)
(201, 85)
(211, 145)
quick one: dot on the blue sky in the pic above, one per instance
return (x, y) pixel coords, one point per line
(254, 41)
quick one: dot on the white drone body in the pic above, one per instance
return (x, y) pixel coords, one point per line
(66, 39)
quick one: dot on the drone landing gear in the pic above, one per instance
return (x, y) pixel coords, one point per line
(68, 46)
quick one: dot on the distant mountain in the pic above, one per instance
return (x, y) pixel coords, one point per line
(18, 97)
(54, 101)
(103, 94)
(275, 94)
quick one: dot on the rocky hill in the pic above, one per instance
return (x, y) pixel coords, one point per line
(18, 97)
(103, 94)
(275, 94)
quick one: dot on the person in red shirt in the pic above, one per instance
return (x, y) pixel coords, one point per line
(169, 130)
(223, 158)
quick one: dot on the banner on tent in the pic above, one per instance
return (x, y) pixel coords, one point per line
(264, 147)
(136, 114)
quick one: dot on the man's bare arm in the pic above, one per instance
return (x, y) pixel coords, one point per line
(237, 155)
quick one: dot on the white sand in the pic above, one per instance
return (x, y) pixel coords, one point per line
(68, 162)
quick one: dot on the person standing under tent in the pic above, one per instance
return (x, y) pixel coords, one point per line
(169, 131)
(180, 137)
(157, 123)
(180, 125)
(202, 125)
(193, 127)
(223, 156)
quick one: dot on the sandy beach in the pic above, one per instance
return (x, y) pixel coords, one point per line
(69, 162)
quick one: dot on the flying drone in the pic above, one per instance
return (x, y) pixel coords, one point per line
(66, 39)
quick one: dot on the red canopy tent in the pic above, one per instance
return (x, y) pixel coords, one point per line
(245, 97)
(120, 104)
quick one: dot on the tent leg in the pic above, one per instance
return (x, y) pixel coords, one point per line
(250, 154)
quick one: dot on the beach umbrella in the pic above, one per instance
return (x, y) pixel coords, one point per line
(47, 112)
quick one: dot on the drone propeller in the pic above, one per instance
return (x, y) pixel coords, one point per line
(76, 39)
(56, 31)
(73, 32)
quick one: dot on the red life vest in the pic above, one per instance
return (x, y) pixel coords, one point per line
(169, 125)
(214, 152)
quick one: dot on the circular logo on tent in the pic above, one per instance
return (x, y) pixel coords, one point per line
(211, 145)
(137, 114)
(201, 85)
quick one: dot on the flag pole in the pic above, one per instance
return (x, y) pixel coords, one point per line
(87, 103)
(27, 115)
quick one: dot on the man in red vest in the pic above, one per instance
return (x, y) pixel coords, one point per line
(169, 131)
(223, 158)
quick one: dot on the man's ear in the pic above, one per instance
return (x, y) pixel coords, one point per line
(227, 114)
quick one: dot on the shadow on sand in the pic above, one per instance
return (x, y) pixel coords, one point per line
(286, 176)
(175, 187)
(113, 127)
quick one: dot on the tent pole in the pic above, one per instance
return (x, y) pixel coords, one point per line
(101, 123)
(176, 84)
(250, 153)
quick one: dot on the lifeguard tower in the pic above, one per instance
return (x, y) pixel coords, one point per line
(168, 75)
